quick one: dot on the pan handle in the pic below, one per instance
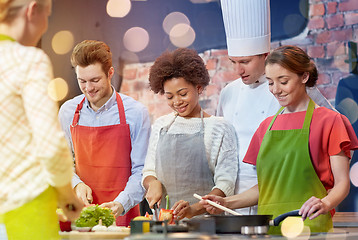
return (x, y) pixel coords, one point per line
(280, 218)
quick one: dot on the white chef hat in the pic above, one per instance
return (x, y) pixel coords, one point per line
(247, 26)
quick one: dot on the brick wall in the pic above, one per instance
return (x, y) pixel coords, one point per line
(332, 23)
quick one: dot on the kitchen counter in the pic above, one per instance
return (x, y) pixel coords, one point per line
(345, 228)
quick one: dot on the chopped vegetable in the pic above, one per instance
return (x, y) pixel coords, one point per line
(166, 215)
(90, 216)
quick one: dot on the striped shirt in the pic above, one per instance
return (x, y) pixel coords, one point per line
(33, 151)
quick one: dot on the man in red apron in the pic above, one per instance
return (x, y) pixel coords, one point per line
(108, 133)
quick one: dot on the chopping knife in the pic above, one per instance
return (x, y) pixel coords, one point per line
(155, 211)
(228, 210)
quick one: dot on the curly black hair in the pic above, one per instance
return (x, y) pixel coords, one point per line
(182, 62)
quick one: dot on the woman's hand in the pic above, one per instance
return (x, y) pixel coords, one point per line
(68, 202)
(211, 209)
(116, 207)
(313, 207)
(182, 209)
(154, 193)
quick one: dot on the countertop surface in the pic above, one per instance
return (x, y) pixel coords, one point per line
(345, 228)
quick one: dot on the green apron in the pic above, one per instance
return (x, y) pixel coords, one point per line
(286, 177)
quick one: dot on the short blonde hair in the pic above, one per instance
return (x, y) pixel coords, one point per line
(10, 8)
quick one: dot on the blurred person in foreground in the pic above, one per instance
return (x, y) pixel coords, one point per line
(36, 164)
(301, 154)
(108, 133)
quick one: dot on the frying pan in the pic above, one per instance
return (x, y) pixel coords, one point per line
(235, 224)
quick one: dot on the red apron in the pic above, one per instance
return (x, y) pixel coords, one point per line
(102, 156)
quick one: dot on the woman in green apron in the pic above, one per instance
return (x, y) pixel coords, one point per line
(189, 151)
(36, 165)
(302, 153)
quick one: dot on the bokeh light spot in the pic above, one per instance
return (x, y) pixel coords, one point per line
(57, 89)
(173, 19)
(118, 8)
(349, 108)
(129, 57)
(303, 7)
(182, 35)
(292, 24)
(292, 227)
(136, 39)
(62, 42)
(353, 174)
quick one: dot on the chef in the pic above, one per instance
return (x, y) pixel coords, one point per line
(108, 133)
(247, 101)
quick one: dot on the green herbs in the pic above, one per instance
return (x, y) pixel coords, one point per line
(90, 216)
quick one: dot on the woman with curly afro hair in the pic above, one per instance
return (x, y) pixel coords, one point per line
(189, 151)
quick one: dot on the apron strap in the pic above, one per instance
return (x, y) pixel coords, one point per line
(76, 117)
(309, 113)
(176, 115)
(4, 37)
(122, 116)
(308, 116)
(202, 120)
(274, 118)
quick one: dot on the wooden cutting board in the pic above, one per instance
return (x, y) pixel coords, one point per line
(93, 235)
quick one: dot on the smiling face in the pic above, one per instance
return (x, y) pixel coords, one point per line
(95, 84)
(183, 97)
(289, 88)
(250, 68)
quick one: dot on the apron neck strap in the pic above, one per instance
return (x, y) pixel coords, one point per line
(122, 116)
(309, 113)
(4, 37)
(308, 117)
(201, 117)
(274, 118)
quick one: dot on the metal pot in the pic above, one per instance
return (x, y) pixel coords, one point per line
(248, 224)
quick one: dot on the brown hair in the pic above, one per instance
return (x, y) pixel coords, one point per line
(89, 52)
(295, 60)
(10, 8)
(181, 63)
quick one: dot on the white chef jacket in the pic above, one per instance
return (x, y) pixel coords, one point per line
(245, 107)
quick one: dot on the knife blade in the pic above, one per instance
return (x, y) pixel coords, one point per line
(155, 211)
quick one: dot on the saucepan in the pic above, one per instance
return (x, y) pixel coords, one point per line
(245, 224)
(248, 224)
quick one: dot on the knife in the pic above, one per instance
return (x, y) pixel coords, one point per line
(155, 211)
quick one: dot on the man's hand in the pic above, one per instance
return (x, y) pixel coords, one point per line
(84, 193)
(116, 207)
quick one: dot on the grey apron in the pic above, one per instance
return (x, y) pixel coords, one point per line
(182, 166)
